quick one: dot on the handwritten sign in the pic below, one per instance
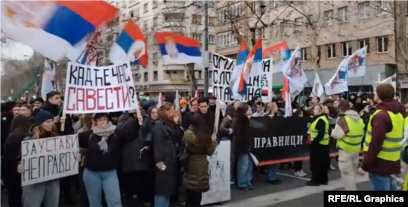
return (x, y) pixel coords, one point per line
(49, 159)
(222, 68)
(219, 170)
(92, 89)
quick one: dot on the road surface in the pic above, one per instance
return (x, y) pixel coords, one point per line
(292, 192)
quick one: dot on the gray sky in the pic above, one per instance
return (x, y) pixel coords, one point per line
(14, 50)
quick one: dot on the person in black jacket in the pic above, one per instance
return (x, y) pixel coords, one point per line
(319, 153)
(101, 160)
(137, 159)
(9, 175)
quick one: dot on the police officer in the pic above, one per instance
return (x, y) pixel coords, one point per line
(319, 150)
(349, 131)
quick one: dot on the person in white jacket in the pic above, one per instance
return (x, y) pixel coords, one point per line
(349, 132)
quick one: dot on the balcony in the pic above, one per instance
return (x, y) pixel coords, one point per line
(175, 17)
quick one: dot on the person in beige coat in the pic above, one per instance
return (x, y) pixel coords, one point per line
(349, 133)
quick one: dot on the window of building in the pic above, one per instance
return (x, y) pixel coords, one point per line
(331, 51)
(145, 76)
(155, 4)
(227, 40)
(211, 38)
(363, 43)
(197, 37)
(155, 56)
(346, 48)
(211, 21)
(145, 7)
(328, 17)
(364, 10)
(196, 19)
(382, 44)
(253, 6)
(155, 21)
(146, 25)
(343, 14)
(200, 74)
(155, 76)
(382, 7)
(303, 54)
(131, 14)
(136, 12)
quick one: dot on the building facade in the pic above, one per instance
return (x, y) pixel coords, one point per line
(182, 17)
(333, 29)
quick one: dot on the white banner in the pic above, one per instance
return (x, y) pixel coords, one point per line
(219, 170)
(49, 159)
(222, 68)
(91, 89)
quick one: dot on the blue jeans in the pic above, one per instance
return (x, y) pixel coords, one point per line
(382, 183)
(244, 170)
(45, 194)
(161, 201)
(271, 172)
(106, 181)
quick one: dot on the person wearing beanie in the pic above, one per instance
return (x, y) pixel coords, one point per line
(102, 153)
(37, 103)
(46, 193)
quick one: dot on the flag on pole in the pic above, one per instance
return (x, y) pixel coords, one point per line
(160, 100)
(177, 101)
(317, 89)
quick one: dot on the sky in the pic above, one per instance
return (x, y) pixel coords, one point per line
(14, 50)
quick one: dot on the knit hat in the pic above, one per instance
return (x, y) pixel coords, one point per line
(40, 117)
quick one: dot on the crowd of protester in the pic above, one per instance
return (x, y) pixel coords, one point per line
(163, 161)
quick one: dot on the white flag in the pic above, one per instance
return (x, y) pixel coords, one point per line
(338, 83)
(159, 100)
(48, 78)
(288, 105)
(177, 101)
(317, 89)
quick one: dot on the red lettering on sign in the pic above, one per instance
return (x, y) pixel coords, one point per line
(90, 95)
(108, 91)
(71, 90)
(125, 95)
(80, 98)
(117, 89)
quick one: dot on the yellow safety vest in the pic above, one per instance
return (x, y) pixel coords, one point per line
(352, 141)
(313, 132)
(391, 148)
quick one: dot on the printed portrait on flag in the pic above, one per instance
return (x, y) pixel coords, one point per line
(295, 68)
(171, 48)
(355, 62)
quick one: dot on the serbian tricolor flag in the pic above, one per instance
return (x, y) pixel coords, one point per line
(54, 28)
(252, 67)
(129, 46)
(177, 49)
(236, 73)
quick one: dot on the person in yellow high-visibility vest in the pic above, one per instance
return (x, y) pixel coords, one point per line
(382, 148)
(349, 132)
(319, 149)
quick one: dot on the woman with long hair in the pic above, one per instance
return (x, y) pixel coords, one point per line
(242, 146)
(101, 160)
(196, 179)
(271, 109)
(319, 148)
(45, 193)
(163, 136)
(9, 175)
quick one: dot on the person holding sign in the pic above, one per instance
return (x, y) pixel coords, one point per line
(53, 105)
(102, 154)
(45, 193)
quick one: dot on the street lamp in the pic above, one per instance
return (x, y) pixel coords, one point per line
(263, 8)
(253, 29)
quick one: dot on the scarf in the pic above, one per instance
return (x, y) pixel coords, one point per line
(104, 133)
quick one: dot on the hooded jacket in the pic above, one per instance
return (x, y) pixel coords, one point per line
(341, 128)
(381, 124)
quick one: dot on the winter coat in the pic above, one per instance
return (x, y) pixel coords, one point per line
(165, 151)
(197, 178)
(132, 158)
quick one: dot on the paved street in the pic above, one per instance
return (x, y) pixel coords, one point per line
(292, 192)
